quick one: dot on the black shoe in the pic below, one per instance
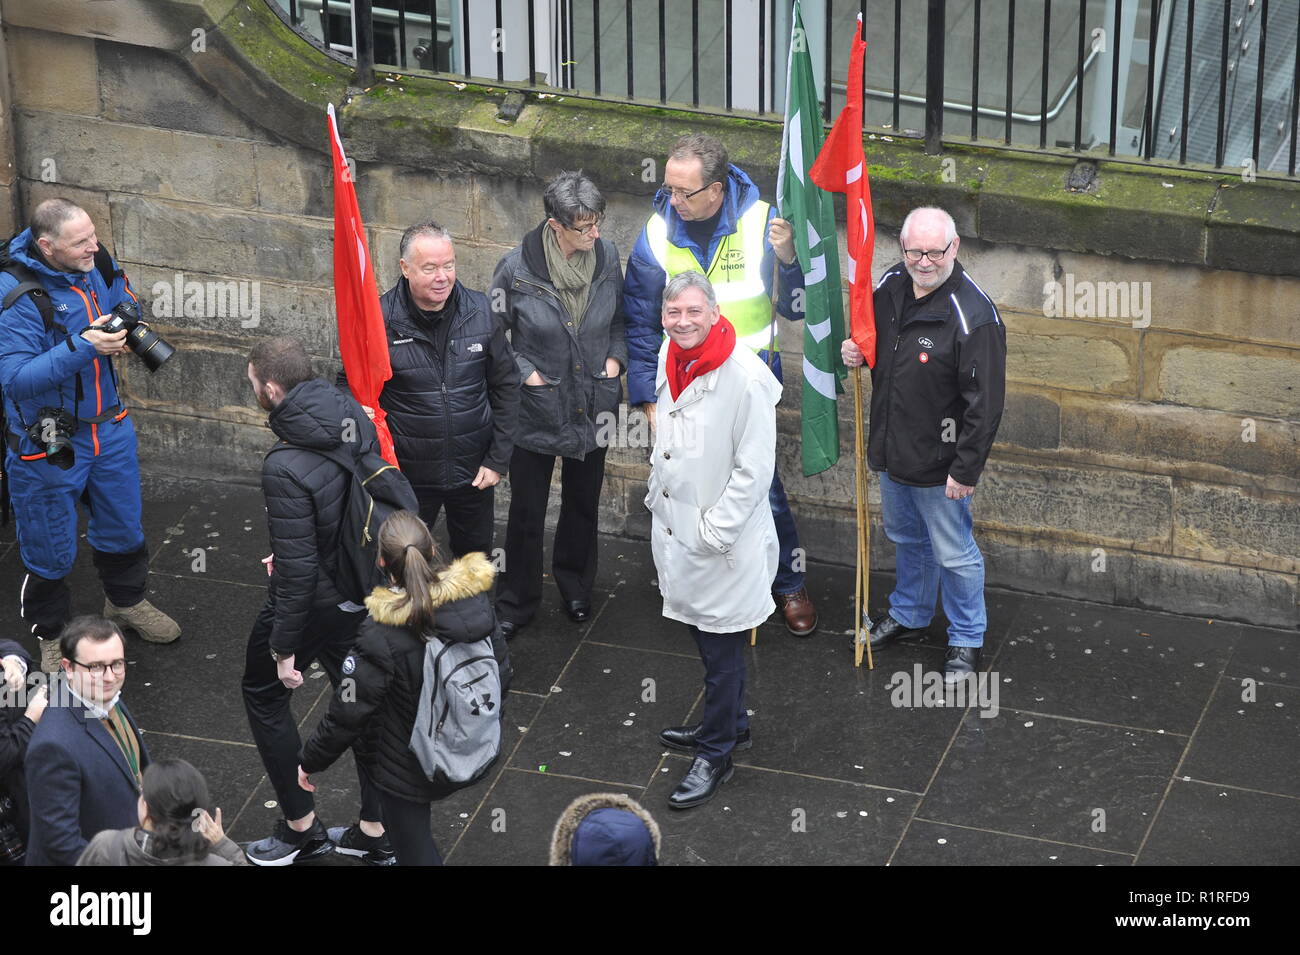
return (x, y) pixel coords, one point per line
(683, 738)
(700, 783)
(579, 611)
(885, 630)
(959, 662)
(372, 850)
(508, 629)
(286, 847)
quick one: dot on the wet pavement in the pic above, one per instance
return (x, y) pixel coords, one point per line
(1098, 735)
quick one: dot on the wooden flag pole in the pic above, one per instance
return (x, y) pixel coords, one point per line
(862, 570)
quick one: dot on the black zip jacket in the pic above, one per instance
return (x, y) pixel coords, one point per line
(565, 415)
(448, 413)
(939, 383)
(377, 709)
(305, 497)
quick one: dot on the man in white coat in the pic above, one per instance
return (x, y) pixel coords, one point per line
(713, 537)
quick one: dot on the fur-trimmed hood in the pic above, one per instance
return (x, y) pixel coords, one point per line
(605, 829)
(464, 577)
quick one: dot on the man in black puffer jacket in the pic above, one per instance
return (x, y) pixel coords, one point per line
(305, 618)
(454, 395)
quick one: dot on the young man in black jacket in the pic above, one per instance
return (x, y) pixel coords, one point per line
(936, 399)
(454, 395)
(305, 618)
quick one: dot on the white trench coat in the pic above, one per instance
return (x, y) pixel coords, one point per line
(712, 535)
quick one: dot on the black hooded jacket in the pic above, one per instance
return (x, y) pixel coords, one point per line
(450, 411)
(305, 497)
(939, 383)
(377, 709)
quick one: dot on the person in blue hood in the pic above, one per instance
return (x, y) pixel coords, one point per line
(708, 217)
(66, 365)
(605, 829)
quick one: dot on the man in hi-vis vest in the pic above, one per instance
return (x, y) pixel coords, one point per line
(708, 217)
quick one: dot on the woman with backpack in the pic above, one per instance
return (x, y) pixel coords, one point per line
(443, 612)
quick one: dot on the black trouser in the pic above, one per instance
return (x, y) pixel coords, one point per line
(407, 826)
(328, 636)
(573, 558)
(725, 714)
(46, 604)
(469, 516)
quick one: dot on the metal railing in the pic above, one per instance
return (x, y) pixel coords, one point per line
(1172, 83)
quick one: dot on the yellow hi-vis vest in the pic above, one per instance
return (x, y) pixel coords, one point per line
(735, 272)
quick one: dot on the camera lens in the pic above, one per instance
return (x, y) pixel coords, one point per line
(152, 348)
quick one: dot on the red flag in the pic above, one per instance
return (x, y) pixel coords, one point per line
(363, 342)
(841, 166)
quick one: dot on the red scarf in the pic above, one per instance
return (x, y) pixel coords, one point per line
(687, 364)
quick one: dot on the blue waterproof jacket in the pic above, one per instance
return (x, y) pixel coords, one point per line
(643, 287)
(41, 368)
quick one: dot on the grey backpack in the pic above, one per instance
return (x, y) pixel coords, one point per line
(457, 732)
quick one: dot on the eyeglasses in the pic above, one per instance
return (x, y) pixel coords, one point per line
(914, 255)
(681, 195)
(585, 230)
(117, 666)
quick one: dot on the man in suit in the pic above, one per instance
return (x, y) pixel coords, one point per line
(86, 755)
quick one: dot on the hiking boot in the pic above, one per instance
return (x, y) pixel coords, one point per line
(145, 619)
(285, 847)
(372, 850)
(51, 655)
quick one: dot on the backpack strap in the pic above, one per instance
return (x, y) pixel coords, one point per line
(107, 270)
(30, 284)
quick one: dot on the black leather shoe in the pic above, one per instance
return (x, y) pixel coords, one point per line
(579, 611)
(700, 783)
(959, 662)
(885, 630)
(683, 738)
(508, 629)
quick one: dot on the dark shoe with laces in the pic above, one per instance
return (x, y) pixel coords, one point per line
(885, 630)
(701, 783)
(960, 662)
(286, 847)
(684, 738)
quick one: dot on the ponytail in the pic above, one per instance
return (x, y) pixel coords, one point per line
(411, 559)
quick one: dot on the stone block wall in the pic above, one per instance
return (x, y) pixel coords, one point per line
(1147, 458)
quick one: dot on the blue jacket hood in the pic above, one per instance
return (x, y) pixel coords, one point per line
(612, 837)
(20, 250)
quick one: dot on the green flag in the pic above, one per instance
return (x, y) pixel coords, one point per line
(811, 213)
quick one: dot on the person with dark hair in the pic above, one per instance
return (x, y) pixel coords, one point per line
(67, 436)
(560, 293)
(376, 712)
(306, 616)
(175, 827)
(708, 217)
(21, 708)
(452, 400)
(86, 754)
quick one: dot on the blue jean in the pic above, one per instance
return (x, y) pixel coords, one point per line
(934, 544)
(788, 580)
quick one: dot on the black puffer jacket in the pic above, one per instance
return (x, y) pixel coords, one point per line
(448, 414)
(15, 734)
(568, 413)
(305, 496)
(377, 711)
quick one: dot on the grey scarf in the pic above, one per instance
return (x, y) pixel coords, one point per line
(570, 276)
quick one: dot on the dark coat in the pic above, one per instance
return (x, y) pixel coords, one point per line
(305, 498)
(564, 415)
(938, 416)
(449, 414)
(15, 735)
(78, 780)
(377, 709)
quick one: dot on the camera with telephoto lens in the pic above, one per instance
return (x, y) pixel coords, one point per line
(52, 432)
(152, 348)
